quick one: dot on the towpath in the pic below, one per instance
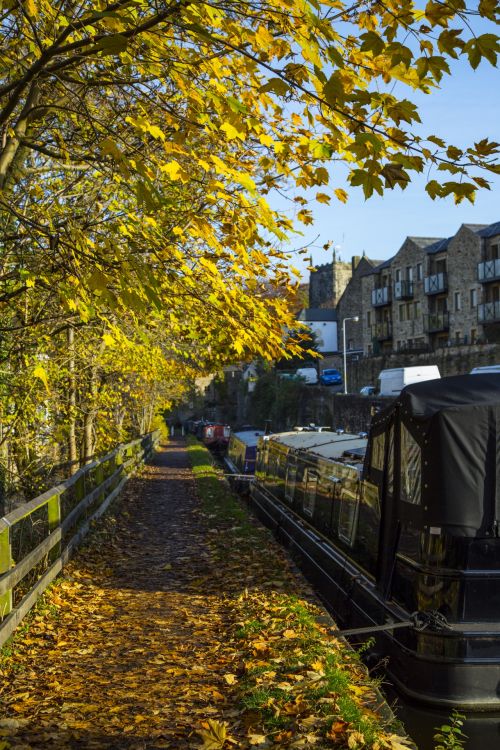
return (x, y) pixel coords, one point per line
(134, 646)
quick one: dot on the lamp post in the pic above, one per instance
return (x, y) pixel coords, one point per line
(355, 319)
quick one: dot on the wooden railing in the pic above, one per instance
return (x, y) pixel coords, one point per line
(38, 538)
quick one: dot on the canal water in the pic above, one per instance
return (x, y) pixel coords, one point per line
(421, 723)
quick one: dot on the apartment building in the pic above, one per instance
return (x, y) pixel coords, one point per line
(433, 292)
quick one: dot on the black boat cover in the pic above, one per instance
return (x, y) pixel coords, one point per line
(443, 439)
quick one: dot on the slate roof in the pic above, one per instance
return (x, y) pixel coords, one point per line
(317, 314)
(490, 231)
(438, 247)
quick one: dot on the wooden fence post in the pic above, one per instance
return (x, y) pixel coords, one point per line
(54, 518)
(5, 564)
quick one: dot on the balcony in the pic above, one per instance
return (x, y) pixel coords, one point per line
(382, 331)
(403, 290)
(436, 283)
(488, 270)
(488, 312)
(381, 296)
(436, 322)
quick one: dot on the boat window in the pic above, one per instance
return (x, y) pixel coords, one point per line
(390, 463)
(348, 515)
(310, 493)
(378, 447)
(410, 468)
(291, 478)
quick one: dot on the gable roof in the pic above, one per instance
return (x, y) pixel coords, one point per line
(317, 314)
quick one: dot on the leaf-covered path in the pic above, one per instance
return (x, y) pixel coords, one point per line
(133, 656)
(182, 624)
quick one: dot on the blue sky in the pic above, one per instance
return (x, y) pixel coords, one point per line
(465, 109)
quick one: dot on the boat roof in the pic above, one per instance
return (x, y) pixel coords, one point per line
(249, 437)
(324, 444)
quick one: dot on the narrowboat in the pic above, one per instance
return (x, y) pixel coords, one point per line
(216, 436)
(240, 457)
(400, 533)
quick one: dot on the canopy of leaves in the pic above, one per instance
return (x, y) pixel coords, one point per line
(139, 141)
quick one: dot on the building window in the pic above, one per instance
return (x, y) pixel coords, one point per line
(473, 336)
(458, 301)
(416, 309)
(473, 298)
(368, 318)
(350, 344)
(458, 337)
(401, 313)
(409, 311)
(409, 273)
(419, 272)
(398, 275)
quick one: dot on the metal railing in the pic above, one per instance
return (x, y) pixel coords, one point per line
(381, 296)
(436, 283)
(38, 538)
(382, 331)
(436, 322)
(403, 290)
(488, 312)
(488, 270)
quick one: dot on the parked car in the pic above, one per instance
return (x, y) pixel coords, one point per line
(330, 377)
(309, 374)
(367, 390)
(392, 381)
(486, 370)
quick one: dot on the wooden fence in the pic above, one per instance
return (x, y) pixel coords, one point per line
(38, 538)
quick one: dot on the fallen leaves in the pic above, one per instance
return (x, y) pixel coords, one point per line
(164, 638)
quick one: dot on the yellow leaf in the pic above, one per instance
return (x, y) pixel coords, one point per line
(322, 198)
(108, 339)
(231, 132)
(214, 734)
(40, 373)
(256, 739)
(172, 169)
(230, 679)
(341, 195)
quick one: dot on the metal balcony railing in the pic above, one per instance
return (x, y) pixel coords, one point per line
(488, 270)
(488, 312)
(436, 283)
(435, 322)
(381, 296)
(403, 290)
(382, 331)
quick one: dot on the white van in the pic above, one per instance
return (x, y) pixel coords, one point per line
(391, 382)
(486, 370)
(309, 374)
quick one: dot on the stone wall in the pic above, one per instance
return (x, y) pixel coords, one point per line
(453, 360)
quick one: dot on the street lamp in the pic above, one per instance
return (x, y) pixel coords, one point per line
(356, 320)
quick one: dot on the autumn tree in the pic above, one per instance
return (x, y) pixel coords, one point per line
(139, 144)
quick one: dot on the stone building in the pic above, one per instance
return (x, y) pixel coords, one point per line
(350, 304)
(327, 283)
(434, 293)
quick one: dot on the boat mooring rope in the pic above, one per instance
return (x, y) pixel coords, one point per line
(431, 620)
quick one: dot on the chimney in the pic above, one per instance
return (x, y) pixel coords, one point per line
(355, 262)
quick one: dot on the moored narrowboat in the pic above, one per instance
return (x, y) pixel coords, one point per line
(403, 530)
(241, 456)
(216, 435)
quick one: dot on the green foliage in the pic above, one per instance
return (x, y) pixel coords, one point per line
(450, 736)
